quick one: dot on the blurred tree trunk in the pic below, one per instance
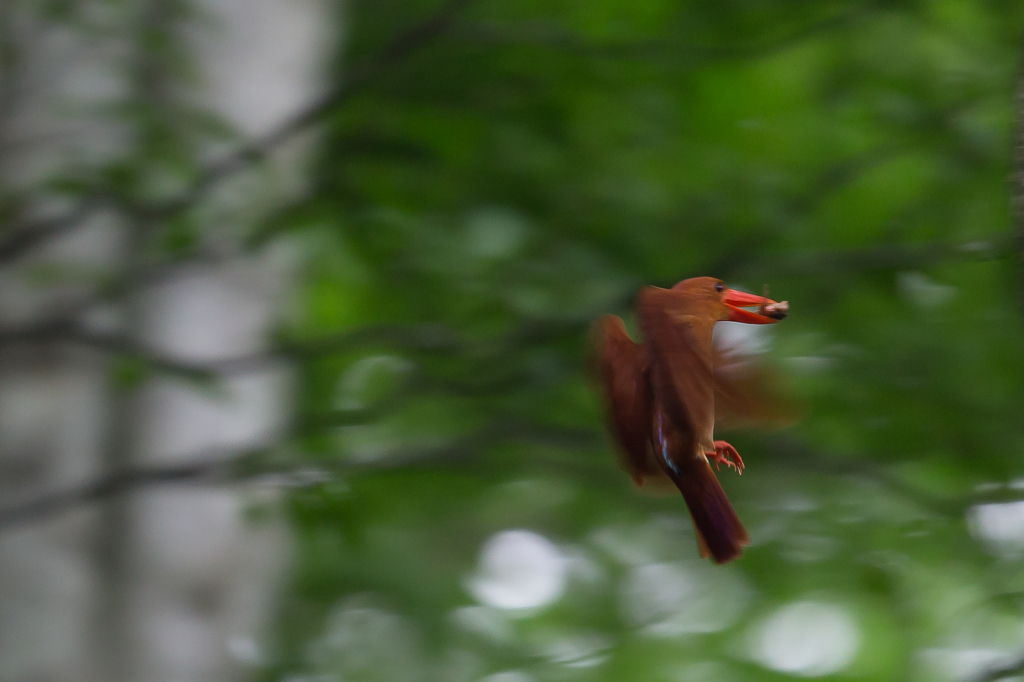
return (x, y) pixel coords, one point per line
(161, 584)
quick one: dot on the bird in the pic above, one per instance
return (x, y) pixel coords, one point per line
(663, 396)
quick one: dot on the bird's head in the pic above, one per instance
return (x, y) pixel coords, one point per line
(710, 295)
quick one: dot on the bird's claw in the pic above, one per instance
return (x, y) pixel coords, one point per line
(727, 455)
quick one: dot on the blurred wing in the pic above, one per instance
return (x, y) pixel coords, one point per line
(681, 367)
(747, 393)
(623, 369)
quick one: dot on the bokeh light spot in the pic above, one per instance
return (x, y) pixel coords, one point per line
(807, 638)
(518, 570)
(1000, 526)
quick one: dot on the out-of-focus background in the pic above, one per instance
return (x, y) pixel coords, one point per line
(294, 311)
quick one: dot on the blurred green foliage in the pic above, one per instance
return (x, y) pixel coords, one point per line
(478, 205)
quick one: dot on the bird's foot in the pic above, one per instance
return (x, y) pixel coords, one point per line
(727, 455)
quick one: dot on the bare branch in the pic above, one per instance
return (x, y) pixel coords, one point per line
(26, 237)
(427, 337)
(220, 467)
(67, 330)
(213, 467)
(46, 331)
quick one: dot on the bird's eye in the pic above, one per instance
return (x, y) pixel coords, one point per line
(718, 287)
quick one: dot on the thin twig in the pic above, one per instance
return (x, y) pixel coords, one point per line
(554, 38)
(884, 257)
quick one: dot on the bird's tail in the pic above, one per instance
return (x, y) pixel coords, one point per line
(720, 533)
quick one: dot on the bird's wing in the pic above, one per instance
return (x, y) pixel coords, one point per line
(746, 391)
(623, 371)
(681, 367)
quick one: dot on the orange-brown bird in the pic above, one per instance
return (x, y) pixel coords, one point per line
(663, 396)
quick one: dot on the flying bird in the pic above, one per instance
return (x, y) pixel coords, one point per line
(663, 397)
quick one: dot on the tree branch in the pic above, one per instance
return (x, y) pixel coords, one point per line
(225, 466)
(213, 467)
(555, 38)
(355, 81)
(67, 330)
(25, 238)
(883, 257)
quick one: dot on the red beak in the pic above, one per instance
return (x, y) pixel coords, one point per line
(737, 300)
